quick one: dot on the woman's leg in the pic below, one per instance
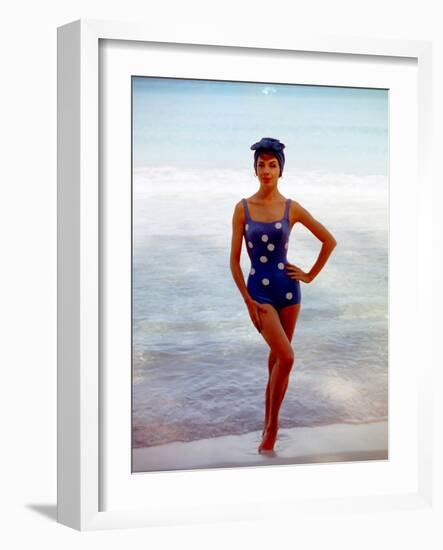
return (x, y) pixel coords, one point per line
(276, 338)
(271, 362)
(288, 318)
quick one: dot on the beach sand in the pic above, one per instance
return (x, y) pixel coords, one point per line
(307, 445)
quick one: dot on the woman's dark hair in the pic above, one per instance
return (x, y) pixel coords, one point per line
(271, 146)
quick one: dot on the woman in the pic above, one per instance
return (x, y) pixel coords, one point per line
(272, 294)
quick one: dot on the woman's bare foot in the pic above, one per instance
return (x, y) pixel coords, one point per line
(268, 441)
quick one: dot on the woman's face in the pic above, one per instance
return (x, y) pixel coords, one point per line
(268, 169)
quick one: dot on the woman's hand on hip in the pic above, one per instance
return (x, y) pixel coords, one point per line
(296, 273)
(255, 309)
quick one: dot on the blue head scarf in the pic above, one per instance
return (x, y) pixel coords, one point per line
(272, 146)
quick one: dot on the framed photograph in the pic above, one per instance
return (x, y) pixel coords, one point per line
(179, 401)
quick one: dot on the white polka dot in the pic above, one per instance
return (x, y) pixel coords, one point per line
(286, 246)
(289, 295)
(252, 271)
(247, 226)
(250, 244)
(265, 281)
(278, 225)
(270, 247)
(281, 265)
(264, 238)
(263, 259)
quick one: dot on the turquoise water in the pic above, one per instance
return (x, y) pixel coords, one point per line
(210, 124)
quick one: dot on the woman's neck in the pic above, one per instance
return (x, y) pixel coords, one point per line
(268, 195)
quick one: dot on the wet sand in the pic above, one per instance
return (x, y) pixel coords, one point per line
(307, 445)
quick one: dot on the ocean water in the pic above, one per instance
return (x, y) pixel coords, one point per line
(207, 124)
(199, 365)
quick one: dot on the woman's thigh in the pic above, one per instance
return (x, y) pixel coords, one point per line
(288, 318)
(274, 333)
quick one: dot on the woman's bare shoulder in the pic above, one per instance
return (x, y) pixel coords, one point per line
(296, 210)
(238, 206)
(294, 203)
(239, 212)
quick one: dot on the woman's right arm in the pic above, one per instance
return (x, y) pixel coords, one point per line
(254, 308)
(236, 244)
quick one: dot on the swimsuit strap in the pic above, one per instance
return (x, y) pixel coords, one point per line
(288, 204)
(245, 206)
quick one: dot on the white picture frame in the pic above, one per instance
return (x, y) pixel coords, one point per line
(80, 370)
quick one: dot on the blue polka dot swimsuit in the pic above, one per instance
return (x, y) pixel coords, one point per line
(267, 245)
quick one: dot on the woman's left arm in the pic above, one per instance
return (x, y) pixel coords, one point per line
(328, 244)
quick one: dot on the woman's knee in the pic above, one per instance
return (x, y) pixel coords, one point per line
(286, 359)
